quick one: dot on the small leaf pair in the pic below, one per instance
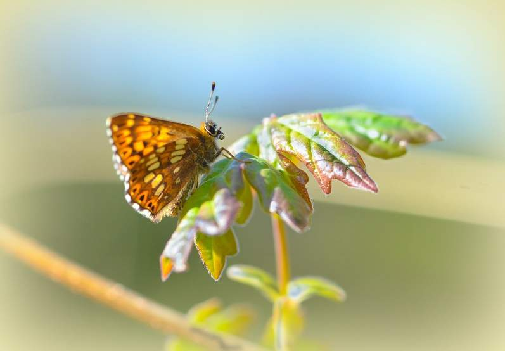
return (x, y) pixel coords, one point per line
(287, 320)
(298, 290)
(233, 320)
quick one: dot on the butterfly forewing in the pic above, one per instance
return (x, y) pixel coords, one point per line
(158, 161)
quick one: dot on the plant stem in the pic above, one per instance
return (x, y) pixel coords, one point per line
(114, 295)
(283, 276)
(281, 253)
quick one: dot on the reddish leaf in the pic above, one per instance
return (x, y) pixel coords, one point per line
(308, 139)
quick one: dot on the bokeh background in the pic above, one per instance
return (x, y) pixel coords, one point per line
(422, 261)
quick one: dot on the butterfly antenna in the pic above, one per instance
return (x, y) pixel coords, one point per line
(211, 105)
(214, 105)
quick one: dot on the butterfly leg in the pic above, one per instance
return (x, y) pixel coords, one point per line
(226, 153)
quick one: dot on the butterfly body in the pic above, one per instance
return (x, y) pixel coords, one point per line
(160, 161)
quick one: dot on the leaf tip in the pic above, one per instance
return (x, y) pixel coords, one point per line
(361, 180)
(216, 275)
(357, 178)
(233, 271)
(433, 136)
(166, 267)
(371, 186)
(299, 221)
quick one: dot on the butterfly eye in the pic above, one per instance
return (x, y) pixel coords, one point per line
(210, 127)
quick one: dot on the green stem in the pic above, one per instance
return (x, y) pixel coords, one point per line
(281, 253)
(283, 276)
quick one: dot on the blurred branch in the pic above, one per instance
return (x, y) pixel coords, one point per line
(114, 295)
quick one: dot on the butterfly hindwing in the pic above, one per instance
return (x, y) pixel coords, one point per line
(157, 192)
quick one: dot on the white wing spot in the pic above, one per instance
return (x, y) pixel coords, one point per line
(181, 141)
(177, 169)
(177, 153)
(178, 180)
(160, 149)
(159, 190)
(156, 181)
(179, 146)
(151, 161)
(175, 159)
(148, 177)
(154, 166)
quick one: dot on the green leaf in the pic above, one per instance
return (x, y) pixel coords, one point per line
(246, 198)
(212, 217)
(379, 135)
(307, 139)
(210, 315)
(280, 192)
(254, 277)
(302, 288)
(234, 320)
(280, 165)
(198, 314)
(213, 251)
(225, 198)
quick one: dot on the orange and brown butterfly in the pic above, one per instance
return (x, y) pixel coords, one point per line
(160, 161)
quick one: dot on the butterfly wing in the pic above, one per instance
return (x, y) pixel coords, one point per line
(162, 191)
(135, 136)
(157, 160)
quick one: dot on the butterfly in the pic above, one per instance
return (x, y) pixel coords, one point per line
(160, 161)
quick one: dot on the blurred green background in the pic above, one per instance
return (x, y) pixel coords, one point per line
(421, 261)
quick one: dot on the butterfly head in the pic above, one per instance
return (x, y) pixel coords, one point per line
(213, 130)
